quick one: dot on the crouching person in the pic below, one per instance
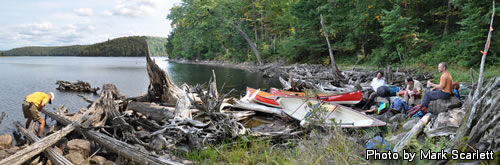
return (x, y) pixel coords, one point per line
(32, 106)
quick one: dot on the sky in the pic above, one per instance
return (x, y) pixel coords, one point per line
(80, 22)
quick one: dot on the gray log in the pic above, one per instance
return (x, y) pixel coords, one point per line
(151, 111)
(55, 157)
(413, 132)
(121, 148)
(22, 156)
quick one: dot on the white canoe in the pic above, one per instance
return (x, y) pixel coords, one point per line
(345, 117)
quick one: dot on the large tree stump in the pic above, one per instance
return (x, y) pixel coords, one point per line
(161, 89)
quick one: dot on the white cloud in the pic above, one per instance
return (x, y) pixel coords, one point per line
(107, 13)
(46, 34)
(133, 8)
(84, 11)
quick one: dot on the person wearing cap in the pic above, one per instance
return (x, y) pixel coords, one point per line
(32, 106)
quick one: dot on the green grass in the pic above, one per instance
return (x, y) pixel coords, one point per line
(319, 148)
(339, 146)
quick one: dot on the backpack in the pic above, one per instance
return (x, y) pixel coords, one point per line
(416, 111)
(400, 105)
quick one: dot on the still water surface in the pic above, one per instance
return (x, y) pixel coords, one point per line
(20, 76)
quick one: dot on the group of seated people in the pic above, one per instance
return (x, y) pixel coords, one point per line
(413, 90)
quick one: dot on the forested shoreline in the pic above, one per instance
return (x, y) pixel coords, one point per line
(376, 33)
(123, 46)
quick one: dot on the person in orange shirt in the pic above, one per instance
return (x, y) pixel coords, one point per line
(445, 87)
(32, 106)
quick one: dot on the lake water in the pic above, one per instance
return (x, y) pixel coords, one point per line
(20, 76)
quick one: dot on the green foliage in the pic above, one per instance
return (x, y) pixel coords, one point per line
(376, 32)
(125, 46)
(45, 51)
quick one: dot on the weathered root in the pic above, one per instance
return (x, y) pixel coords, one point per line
(79, 86)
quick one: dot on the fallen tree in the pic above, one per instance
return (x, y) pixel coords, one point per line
(54, 157)
(78, 86)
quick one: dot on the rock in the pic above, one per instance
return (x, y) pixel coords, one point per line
(385, 116)
(393, 126)
(79, 146)
(442, 105)
(398, 118)
(36, 160)
(445, 124)
(450, 118)
(3, 154)
(12, 150)
(76, 158)
(5, 140)
(409, 125)
(98, 160)
(109, 162)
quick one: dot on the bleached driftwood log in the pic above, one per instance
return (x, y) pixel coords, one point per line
(121, 148)
(55, 157)
(23, 155)
(413, 132)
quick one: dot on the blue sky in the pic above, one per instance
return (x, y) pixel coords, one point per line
(63, 22)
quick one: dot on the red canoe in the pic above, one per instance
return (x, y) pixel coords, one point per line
(262, 97)
(339, 98)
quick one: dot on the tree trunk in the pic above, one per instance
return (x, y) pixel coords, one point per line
(445, 31)
(151, 111)
(474, 103)
(254, 18)
(161, 88)
(250, 43)
(335, 69)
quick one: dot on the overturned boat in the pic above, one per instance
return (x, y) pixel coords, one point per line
(307, 110)
(339, 98)
(262, 97)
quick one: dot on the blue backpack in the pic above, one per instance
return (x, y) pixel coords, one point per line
(373, 142)
(400, 105)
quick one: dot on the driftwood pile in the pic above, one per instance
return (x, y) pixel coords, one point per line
(145, 129)
(78, 86)
(301, 76)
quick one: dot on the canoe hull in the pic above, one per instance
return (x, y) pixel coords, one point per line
(345, 117)
(339, 98)
(262, 97)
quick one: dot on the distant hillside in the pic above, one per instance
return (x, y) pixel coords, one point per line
(45, 51)
(124, 46)
(157, 46)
